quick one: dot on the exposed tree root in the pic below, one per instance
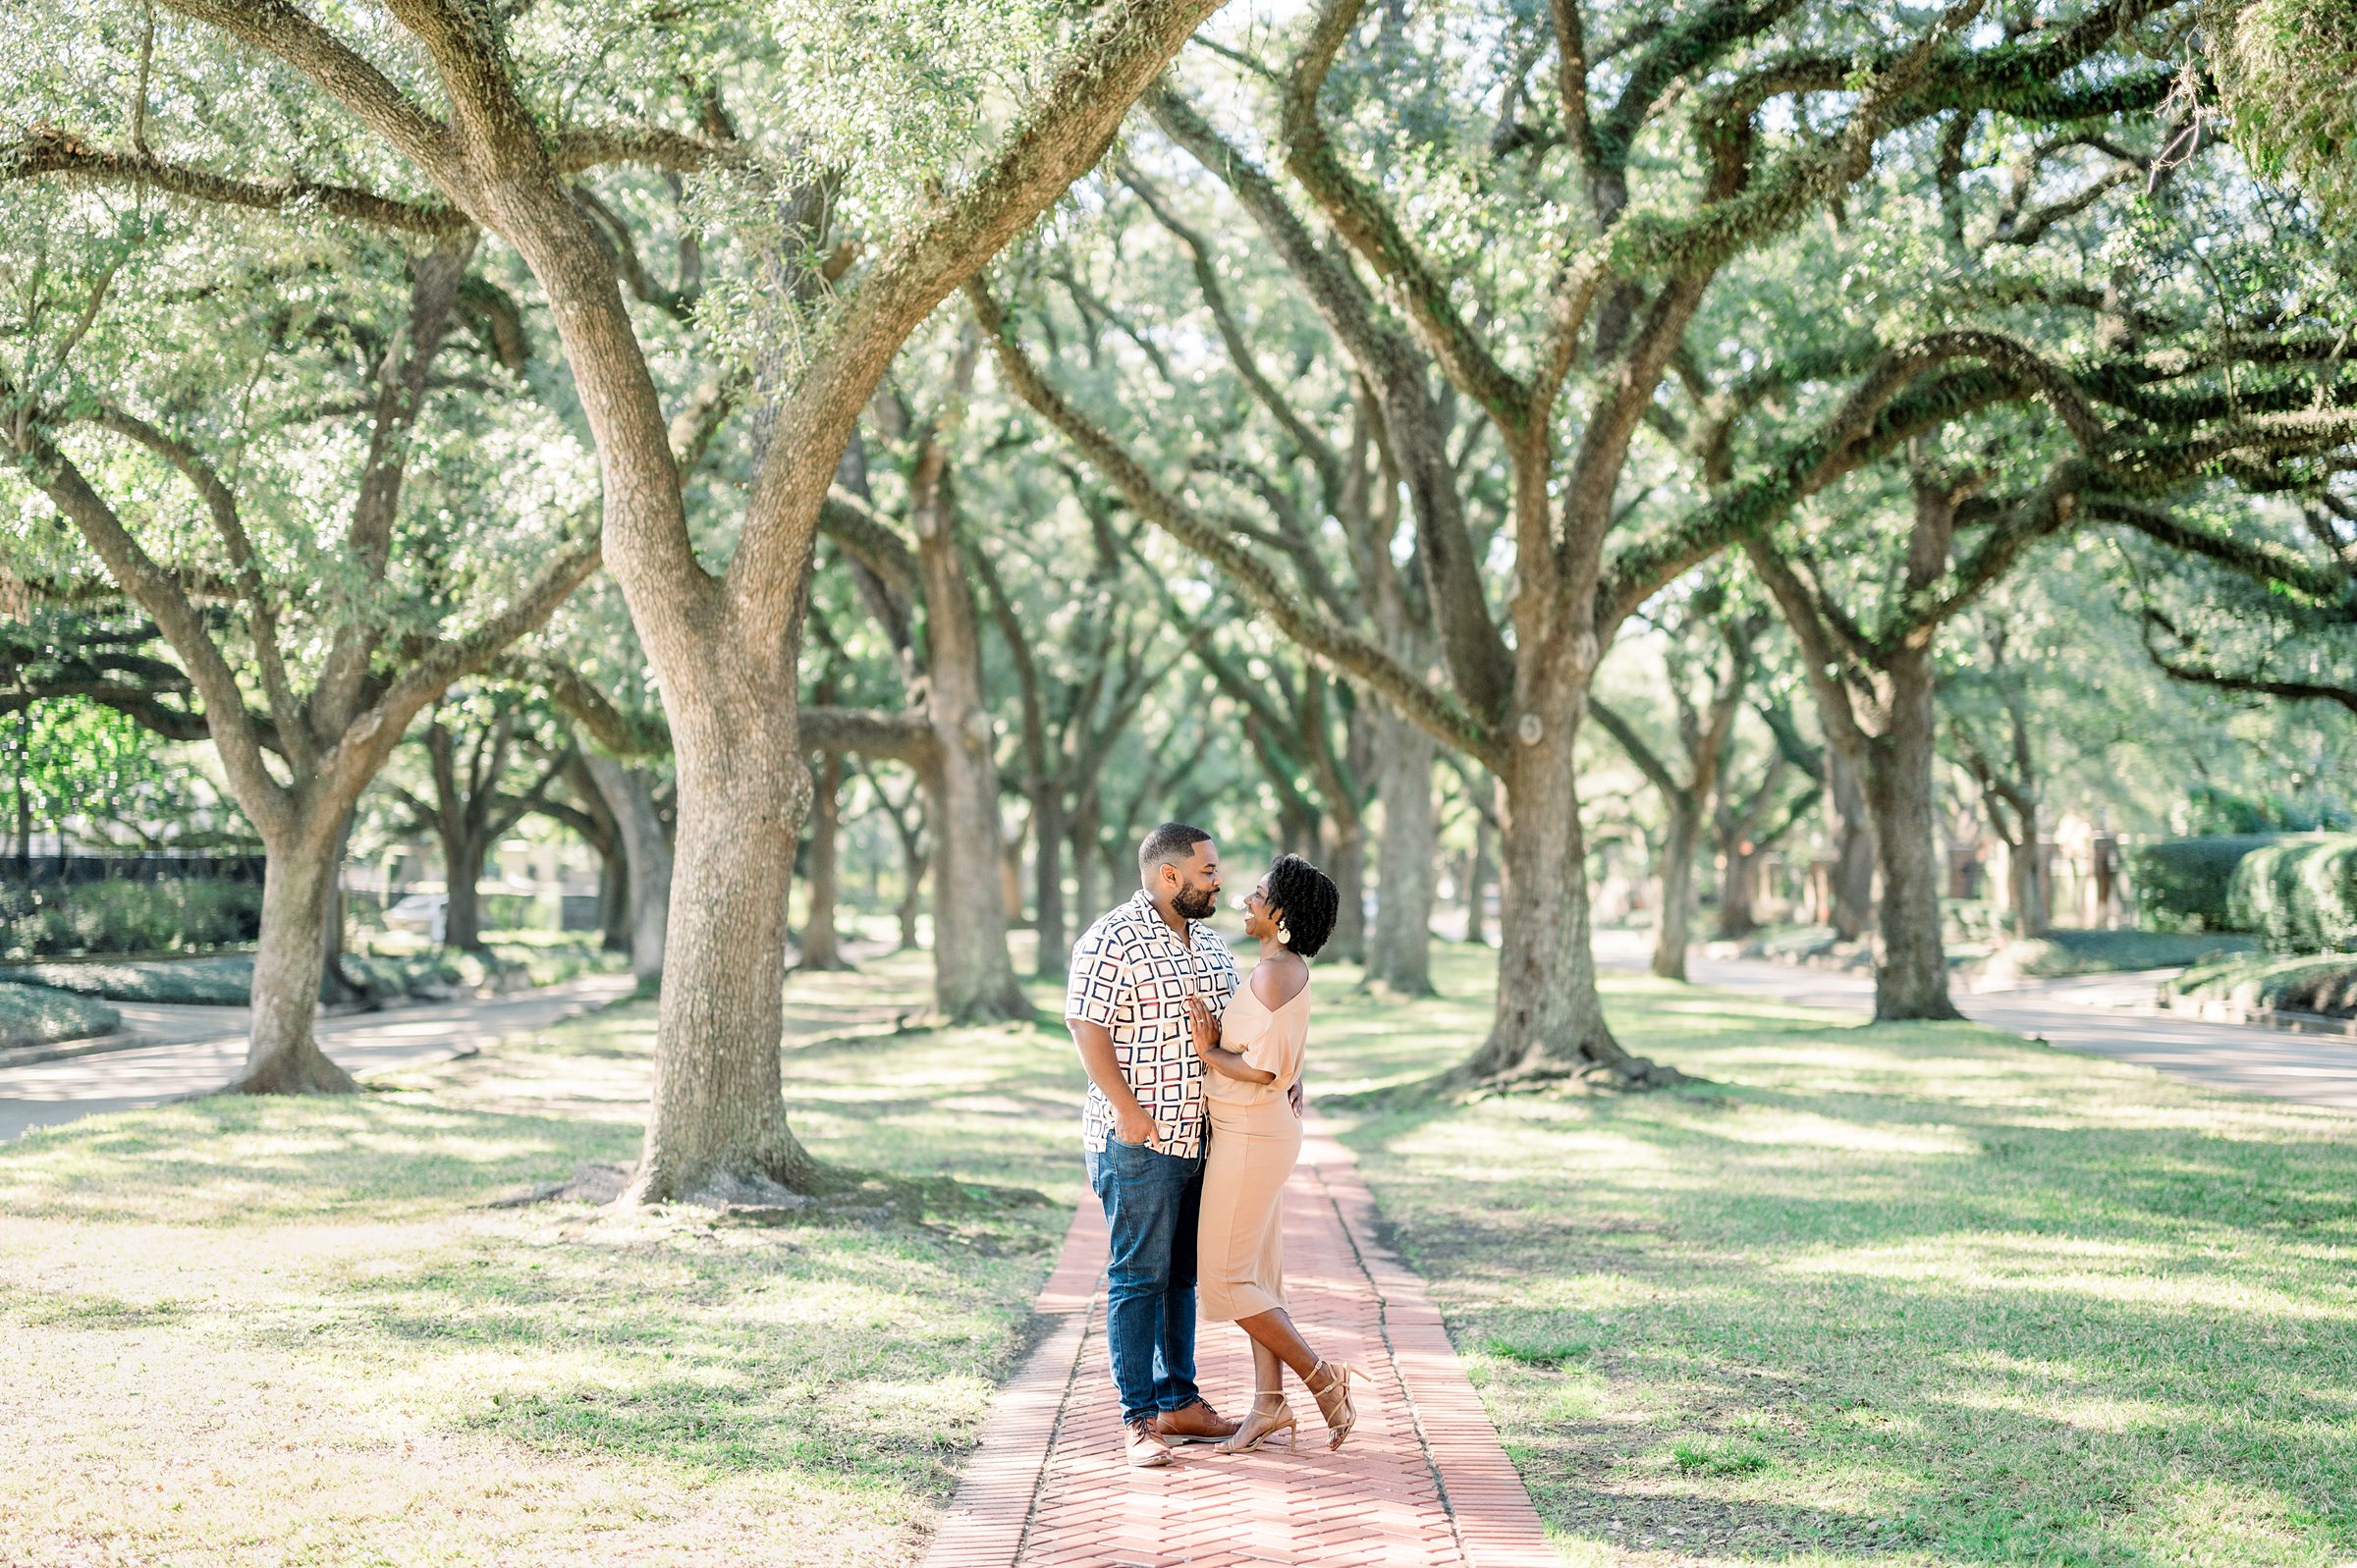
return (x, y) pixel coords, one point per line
(308, 1072)
(1619, 1074)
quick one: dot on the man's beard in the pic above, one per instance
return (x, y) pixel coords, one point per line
(1195, 904)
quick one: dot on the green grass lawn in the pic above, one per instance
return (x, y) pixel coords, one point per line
(243, 1331)
(1916, 1294)
(1920, 1295)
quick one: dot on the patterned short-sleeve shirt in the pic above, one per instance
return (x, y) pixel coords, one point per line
(1131, 974)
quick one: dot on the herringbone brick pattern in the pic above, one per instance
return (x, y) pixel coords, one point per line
(1421, 1483)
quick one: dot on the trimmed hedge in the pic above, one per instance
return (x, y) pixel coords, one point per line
(2094, 952)
(35, 1015)
(2181, 883)
(50, 920)
(2321, 985)
(228, 980)
(2299, 895)
(225, 982)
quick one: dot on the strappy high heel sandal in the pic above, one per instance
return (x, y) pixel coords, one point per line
(1329, 1383)
(1262, 1422)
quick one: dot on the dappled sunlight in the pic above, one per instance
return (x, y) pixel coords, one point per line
(2143, 1277)
(319, 1327)
(1943, 1296)
(2258, 1519)
(1805, 1130)
(2115, 1415)
(1923, 1294)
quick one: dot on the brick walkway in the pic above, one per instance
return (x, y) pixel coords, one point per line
(1421, 1482)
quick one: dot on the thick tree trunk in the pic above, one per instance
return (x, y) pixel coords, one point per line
(631, 800)
(282, 1052)
(1048, 830)
(2026, 879)
(1673, 920)
(1852, 828)
(462, 868)
(1300, 831)
(1739, 892)
(1088, 835)
(912, 897)
(717, 1127)
(1479, 873)
(1550, 1019)
(1399, 956)
(1910, 972)
(614, 898)
(822, 944)
(973, 977)
(1345, 851)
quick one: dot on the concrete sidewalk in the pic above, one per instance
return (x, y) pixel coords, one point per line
(2096, 1015)
(212, 1049)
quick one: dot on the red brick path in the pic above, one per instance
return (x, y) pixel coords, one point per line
(1421, 1482)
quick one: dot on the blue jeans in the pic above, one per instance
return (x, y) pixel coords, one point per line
(1151, 1203)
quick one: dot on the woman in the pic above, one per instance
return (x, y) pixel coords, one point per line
(1252, 1059)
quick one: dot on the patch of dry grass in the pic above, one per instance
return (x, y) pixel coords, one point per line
(248, 1332)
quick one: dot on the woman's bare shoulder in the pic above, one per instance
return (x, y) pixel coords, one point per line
(1278, 981)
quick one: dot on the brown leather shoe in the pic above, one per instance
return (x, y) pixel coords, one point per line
(1195, 1422)
(1143, 1447)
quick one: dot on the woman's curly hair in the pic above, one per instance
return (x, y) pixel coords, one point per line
(1303, 901)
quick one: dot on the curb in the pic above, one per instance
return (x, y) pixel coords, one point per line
(92, 1046)
(2279, 1019)
(132, 1040)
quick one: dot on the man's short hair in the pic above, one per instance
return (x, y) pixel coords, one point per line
(1168, 844)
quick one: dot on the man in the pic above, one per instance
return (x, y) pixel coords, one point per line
(1142, 1130)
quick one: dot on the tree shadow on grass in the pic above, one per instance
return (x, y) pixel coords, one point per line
(2109, 1177)
(238, 1160)
(1978, 1420)
(847, 1348)
(1945, 1296)
(2050, 1336)
(861, 1338)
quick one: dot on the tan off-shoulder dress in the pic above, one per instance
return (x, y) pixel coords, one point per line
(1255, 1138)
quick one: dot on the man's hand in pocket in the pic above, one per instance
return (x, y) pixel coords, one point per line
(1131, 1125)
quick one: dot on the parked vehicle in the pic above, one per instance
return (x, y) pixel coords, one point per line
(429, 912)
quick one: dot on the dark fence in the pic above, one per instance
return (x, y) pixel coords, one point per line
(160, 865)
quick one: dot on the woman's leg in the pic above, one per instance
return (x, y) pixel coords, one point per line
(1275, 1338)
(1268, 1372)
(1269, 1415)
